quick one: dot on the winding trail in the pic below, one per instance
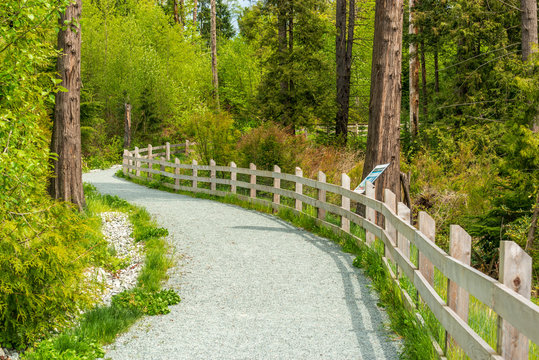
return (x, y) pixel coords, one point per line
(252, 287)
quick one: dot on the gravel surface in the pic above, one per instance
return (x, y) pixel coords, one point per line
(252, 287)
(117, 231)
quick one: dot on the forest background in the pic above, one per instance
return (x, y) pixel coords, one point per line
(474, 161)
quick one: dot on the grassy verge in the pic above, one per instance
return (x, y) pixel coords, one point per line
(417, 343)
(102, 324)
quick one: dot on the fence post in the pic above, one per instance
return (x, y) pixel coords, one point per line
(402, 242)
(321, 213)
(186, 147)
(233, 177)
(137, 163)
(370, 214)
(515, 273)
(177, 173)
(299, 189)
(167, 151)
(162, 167)
(195, 174)
(213, 184)
(130, 162)
(428, 227)
(345, 203)
(276, 185)
(253, 181)
(460, 247)
(390, 199)
(125, 162)
(150, 156)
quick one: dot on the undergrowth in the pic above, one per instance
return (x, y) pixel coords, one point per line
(102, 324)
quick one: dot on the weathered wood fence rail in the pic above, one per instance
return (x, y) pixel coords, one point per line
(518, 317)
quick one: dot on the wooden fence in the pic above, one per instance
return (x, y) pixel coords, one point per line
(410, 254)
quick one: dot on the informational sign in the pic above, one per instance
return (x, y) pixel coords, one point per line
(373, 175)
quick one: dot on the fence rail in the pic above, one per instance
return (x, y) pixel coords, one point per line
(518, 317)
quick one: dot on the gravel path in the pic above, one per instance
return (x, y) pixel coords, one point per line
(252, 287)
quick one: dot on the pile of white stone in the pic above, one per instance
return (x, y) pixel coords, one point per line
(117, 231)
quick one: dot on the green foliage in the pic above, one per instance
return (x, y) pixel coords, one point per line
(214, 135)
(41, 243)
(151, 303)
(239, 78)
(66, 347)
(147, 233)
(133, 54)
(305, 69)
(270, 145)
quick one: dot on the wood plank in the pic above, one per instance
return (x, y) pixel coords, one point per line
(460, 248)
(253, 180)
(213, 185)
(167, 151)
(177, 173)
(299, 189)
(195, 174)
(390, 200)
(233, 177)
(516, 273)
(370, 213)
(428, 227)
(402, 242)
(276, 185)
(345, 203)
(321, 213)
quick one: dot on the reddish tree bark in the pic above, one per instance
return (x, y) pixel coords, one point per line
(383, 139)
(66, 183)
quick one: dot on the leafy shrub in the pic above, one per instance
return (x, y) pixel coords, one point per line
(151, 303)
(214, 135)
(270, 145)
(42, 259)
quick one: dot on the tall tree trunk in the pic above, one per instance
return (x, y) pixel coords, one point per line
(182, 12)
(291, 95)
(383, 139)
(283, 50)
(413, 73)
(127, 126)
(343, 52)
(424, 91)
(176, 16)
(436, 72)
(528, 17)
(214, 53)
(66, 183)
(195, 10)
